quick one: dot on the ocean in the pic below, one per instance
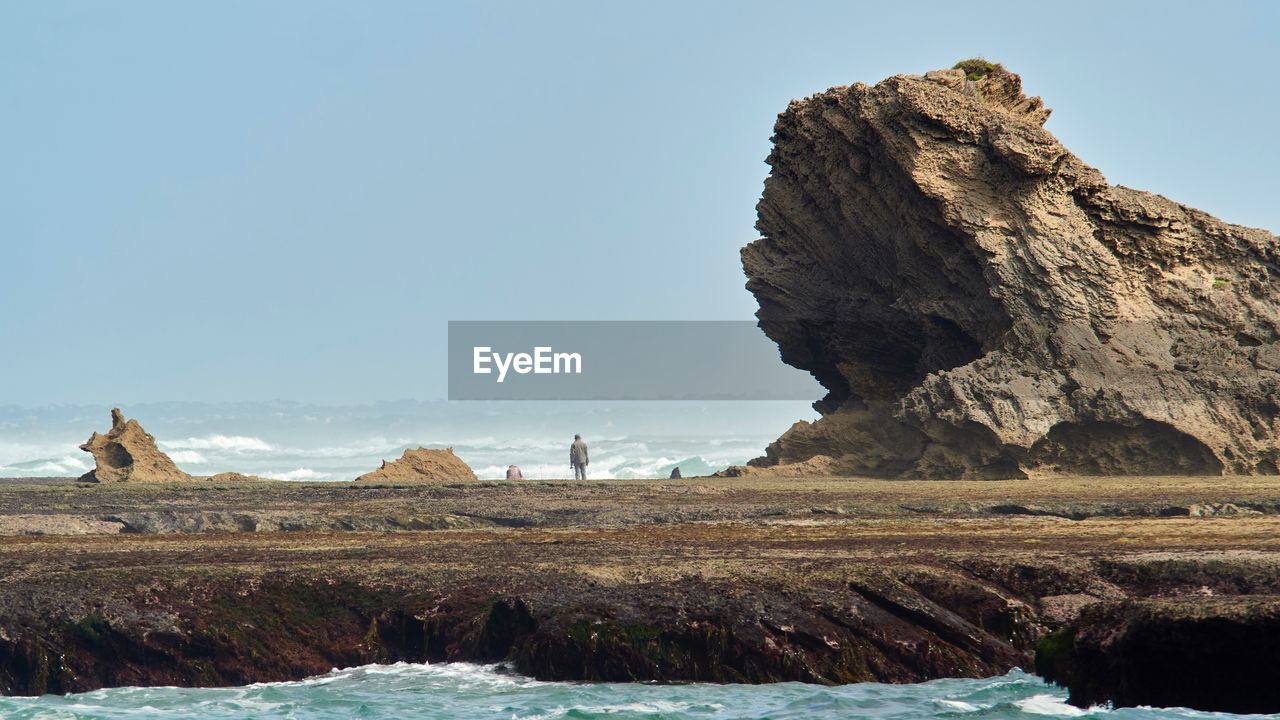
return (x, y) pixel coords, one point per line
(462, 691)
(297, 441)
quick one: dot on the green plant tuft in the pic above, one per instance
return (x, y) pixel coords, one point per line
(1054, 661)
(976, 68)
(93, 629)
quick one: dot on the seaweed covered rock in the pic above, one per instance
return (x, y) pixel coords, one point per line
(127, 453)
(421, 465)
(978, 302)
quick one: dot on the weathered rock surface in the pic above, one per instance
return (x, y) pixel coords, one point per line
(816, 466)
(978, 302)
(127, 453)
(421, 465)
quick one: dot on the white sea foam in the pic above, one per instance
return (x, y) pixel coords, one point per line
(65, 465)
(960, 705)
(364, 448)
(224, 443)
(299, 474)
(457, 674)
(647, 708)
(1048, 705)
(191, 457)
(43, 456)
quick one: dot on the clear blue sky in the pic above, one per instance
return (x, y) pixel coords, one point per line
(255, 200)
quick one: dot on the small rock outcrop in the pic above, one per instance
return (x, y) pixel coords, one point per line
(421, 465)
(236, 477)
(979, 303)
(127, 453)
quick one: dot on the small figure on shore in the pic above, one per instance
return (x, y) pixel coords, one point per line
(578, 458)
(513, 473)
(675, 473)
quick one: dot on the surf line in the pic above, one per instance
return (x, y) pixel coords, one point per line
(543, 361)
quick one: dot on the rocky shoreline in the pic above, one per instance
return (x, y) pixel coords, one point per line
(979, 304)
(823, 581)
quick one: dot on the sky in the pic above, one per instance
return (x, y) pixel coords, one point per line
(290, 199)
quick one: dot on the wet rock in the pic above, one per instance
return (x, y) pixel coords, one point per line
(979, 303)
(1216, 654)
(421, 465)
(127, 453)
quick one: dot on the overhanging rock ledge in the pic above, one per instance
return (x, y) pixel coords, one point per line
(979, 303)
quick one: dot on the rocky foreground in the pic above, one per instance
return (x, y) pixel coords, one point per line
(745, 580)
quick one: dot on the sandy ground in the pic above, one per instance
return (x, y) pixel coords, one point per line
(614, 503)
(663, 526)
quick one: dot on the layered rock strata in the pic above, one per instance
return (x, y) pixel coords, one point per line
(980, 303)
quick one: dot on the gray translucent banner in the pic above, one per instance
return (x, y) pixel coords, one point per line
(620, 360)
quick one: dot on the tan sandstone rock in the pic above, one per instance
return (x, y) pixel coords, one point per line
(816, 466)
(980, 303)
(421, 465)
(127, 453)
(235, 477)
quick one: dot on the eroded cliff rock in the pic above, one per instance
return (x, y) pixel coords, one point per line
(421, 465)
(978, 302)
(127, 453)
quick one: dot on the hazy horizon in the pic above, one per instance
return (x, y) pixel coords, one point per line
(306, 441)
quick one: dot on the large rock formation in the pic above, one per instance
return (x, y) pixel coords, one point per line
(980, 303)
(420, 465)
(127, 453)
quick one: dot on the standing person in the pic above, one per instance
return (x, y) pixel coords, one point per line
(578, 458)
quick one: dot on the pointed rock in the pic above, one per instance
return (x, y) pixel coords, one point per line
(127, 453)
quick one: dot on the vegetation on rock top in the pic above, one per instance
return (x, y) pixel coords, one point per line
(976, 68)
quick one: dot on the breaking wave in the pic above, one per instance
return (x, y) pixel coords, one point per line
(312, 443)
(465, 691)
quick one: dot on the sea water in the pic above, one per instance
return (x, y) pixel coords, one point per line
(292, 441)
(464, 691)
